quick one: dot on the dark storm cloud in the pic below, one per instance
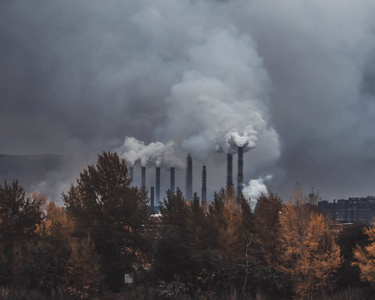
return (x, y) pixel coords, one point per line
(79, 76)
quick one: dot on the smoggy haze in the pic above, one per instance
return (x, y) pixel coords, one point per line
(297, 78)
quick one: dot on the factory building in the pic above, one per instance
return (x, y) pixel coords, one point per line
(352, 210)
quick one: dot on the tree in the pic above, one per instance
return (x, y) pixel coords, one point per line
(174, 210)
(56, 222)
(19, 219)
(172, 255)
(82, 275)
(365, 257)
(308, 253)
(226, 218)
(197, 227)
(114, 214)
(351, 236)
(19, 216)
(267, 214)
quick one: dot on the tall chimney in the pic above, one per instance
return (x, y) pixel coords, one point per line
(152, 200)
(229, 169)
(240, 173)
(346, 210)
(131, 173)
(143, 182)
(189, 178)
(157, 185)
(334, 209)
(204, 186)
(172, 179)
(357, 210)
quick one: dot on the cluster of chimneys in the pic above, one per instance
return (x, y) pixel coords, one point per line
(189, 179)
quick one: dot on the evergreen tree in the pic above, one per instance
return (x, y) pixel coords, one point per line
(174, 210)
(19, 219)
(104, 205)
(267, 225)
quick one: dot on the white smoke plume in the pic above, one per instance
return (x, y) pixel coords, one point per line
(256, 188)
(221, 101)
(156, 153)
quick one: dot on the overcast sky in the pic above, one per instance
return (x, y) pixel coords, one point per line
(77, 77)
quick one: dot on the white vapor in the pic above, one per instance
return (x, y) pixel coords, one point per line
(220, 101)
(156, 153)
(255, 189)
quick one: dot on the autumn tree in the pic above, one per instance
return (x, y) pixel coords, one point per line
(308, 253)
(82, 271)
(348, 238)
(226, 218)
(365, 257)
(105, 206)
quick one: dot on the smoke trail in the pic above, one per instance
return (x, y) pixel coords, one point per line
(220, 103)
(162, 155)
(256, 187)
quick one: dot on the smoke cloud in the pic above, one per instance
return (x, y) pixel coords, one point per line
(156, 153)
(293, 82)
(255, 189)
(220, 102)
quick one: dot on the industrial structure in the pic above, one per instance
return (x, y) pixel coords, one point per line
(157, 184)
(152, 196)
(352, 210)
(143, 177)
(204, 186)
(131, 174)
(172, 187)
(155, 191)
(240, 173)
(229, 169)
(189, 178)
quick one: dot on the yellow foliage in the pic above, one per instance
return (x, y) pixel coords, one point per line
(309, 252)
(229, 233)
(365, 257)
(56, 221)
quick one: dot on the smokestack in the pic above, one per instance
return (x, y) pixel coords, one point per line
(131, 172)
(240, 173)
(157, 185)
(189, 178)
(357, 210)
(229, 169)
(143, 182)
(152, 200)
(172, 179)
(204, 186)
(346, 210)
(334, 209)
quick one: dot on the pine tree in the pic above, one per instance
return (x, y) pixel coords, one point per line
(104, 205)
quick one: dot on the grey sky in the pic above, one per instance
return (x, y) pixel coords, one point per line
(77, 77)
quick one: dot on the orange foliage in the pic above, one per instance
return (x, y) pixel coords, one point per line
(365, 257)
(309, 252)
